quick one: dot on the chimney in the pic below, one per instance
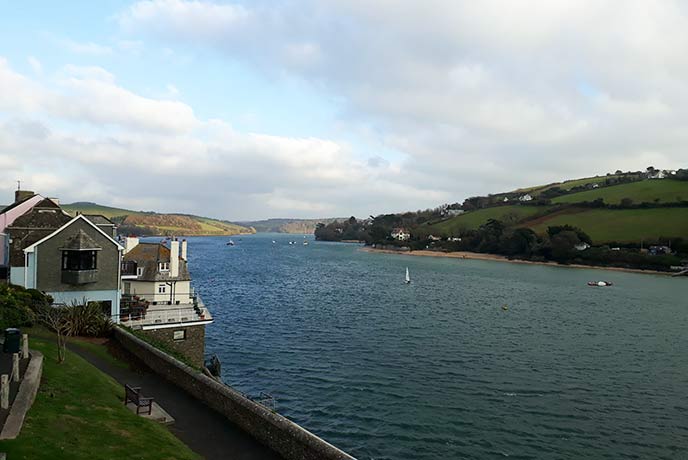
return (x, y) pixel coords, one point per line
(130, 242)
(174, 258)
(21, 195)
(184, 250)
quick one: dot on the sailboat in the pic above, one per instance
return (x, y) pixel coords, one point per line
(408, 277)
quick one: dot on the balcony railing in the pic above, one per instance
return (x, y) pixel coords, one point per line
(137, 314)
(79, 276)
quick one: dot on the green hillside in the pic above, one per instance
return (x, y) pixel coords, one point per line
(659, 218)
(297, 226)
(646, 191)
(93, 208)
(621, 225)
(565, 185)
(151, 223)
(473, 219)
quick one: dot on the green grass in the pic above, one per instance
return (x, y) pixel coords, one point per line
(566, 185)
(473, 219)
(646, 191)
(624, 225)
(78, 415)
(93, 208)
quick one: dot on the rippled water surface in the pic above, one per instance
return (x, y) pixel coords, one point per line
(436, 369)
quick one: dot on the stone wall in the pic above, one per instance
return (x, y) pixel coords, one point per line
(192, 345)
(275, 431)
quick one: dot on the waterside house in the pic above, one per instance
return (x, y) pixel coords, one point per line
(400, 234)
(77, 262)
(158, 298)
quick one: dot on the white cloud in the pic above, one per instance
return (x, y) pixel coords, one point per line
(35, 65)
(87, 48)
(198, 166)
(478, 95)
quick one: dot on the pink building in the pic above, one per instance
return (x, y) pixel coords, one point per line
(24, 200)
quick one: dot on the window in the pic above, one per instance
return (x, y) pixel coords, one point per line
(164, 266)
(79, 260)
(139, 271)
(180, 335)
(161, 288)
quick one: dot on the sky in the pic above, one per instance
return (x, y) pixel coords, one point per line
(255, 109)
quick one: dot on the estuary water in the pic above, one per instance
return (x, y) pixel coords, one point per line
(438, 369)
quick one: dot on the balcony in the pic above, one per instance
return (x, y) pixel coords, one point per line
(138, 315)
(76, 277)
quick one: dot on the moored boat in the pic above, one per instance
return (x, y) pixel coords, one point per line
(600, 283)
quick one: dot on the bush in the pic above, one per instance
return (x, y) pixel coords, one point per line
(86, 320)
(18, 306)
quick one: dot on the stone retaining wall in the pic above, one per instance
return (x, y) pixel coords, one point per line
(272, 429)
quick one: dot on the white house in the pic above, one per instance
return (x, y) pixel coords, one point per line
(525, 197)
(400, 234)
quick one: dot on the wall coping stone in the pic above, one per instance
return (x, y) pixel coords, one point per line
(287, 438)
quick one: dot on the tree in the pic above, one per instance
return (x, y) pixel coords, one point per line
(54, 318)
(626, 202)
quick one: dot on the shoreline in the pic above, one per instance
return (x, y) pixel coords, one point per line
(499, 258)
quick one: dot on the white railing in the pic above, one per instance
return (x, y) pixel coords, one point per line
(161, 316)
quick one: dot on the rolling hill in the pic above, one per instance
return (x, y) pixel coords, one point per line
(646, 191)
(151, 223)
(298, 226)
(655, 210)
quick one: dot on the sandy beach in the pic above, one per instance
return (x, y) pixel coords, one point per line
(498, 258)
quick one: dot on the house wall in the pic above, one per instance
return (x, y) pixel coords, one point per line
(193, 345)
(149, 290)
(17, 275)
(4, 249)
(49, 258)
(70, 297)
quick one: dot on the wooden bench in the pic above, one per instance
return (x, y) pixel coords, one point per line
(133, 394)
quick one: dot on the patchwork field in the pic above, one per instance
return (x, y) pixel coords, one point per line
(647, 191)
(623, 225)
(474, 219)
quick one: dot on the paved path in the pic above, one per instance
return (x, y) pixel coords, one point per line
(202, 429)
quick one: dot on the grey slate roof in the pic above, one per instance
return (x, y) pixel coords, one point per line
(149, 255)
(80, 241)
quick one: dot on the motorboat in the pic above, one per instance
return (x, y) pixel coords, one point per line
(230, 243)
(600, 283)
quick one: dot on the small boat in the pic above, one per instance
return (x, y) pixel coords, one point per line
(600, 283)
(230, 243)
(505, 307)
(305, 243)
(408, 277)
(274, 242)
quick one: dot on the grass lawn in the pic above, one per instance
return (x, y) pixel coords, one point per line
(474, 219)
(78, 414)
(646, 191)
(624, 225)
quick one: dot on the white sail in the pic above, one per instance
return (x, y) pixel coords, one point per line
(408, 277)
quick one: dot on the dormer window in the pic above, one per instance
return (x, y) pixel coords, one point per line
(139, 271)
(164, 266)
